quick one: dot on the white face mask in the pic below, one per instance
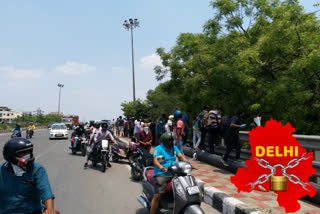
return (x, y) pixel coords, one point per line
(146, 129)
(257, 120)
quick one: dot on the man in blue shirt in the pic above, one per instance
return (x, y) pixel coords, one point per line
(161, 175)
(24, 184)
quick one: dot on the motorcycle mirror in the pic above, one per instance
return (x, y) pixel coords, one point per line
(161, 159)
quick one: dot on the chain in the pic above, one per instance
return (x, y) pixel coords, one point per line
(291, 164)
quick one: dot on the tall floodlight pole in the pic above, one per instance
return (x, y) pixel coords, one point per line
(130, 25)
(60, 86)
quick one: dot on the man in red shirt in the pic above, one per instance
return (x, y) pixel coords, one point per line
(145, 138)
(178, 130)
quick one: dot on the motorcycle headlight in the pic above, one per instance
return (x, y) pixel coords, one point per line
(187, 168)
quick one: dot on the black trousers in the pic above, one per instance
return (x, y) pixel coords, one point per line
(213, 138)
(94, 148)
(185, 136)
(203, 137)
(232, 142)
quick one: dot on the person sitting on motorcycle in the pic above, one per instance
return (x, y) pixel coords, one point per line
(103, 134)
(145, 139)
(162, 177)
(24, 184)
(32, 127)
(78, 132)
(17, 130)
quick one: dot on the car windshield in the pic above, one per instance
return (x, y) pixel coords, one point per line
(66, 120)
(59, 127)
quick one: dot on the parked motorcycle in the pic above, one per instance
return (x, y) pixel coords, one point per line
(139, 163)
(183, 194)
(120, 150)
(29, 133)
(82, 144)
(101, 154)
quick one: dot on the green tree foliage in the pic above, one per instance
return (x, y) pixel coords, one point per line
(254, 54)
(142, 109)
(42, 119)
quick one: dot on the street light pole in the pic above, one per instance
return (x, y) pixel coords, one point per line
(60, 86)
(130, 25)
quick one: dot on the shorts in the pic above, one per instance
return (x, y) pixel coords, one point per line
(120, 128)
(160, 183)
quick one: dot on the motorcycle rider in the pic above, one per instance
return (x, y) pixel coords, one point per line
(78, 132)
(161, 175)
(102, 134)
(24, 183)
(32, 127)
(17, 130)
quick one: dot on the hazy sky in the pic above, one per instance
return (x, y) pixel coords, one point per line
(82, 44)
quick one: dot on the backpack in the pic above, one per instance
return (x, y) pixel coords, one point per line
(225, 123)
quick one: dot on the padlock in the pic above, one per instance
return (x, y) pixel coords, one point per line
(278, 183)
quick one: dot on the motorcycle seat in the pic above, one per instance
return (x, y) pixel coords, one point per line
(149, 175)
(122, 145)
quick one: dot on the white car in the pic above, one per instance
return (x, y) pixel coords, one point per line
(58, 130)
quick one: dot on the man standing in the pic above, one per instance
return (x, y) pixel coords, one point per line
(232, 136)
(178, 130)
(214, 119)
(121, 126)
(153, 131)
(186, 122)
(160, 128)
(203, 128)
(145, 138)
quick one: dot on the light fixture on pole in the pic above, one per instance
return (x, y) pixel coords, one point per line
(60, 86)
(130, 25)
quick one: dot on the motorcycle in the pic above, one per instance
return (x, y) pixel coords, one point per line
(139, 163)
(29, 133)
(82, 145)
(183, 194)
(120, 150)
(16, 134)
(101, 154)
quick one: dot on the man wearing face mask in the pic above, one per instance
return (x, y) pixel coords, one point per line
(256, 120)
(162, 177)
(102, 134)
(24, 184)
(145, 138)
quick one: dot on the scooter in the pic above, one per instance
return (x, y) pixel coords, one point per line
(101, 154)
(16, 134)
(183, 194)
(139, 163)
(82, 145)
(29, 133)
(120, 150)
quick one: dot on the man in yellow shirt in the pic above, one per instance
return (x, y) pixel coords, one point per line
(30, 127)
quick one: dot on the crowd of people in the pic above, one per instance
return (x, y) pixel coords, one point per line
(208, 124)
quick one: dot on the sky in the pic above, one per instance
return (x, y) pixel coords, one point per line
(83, 45)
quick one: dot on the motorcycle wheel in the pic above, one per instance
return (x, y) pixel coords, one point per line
(104, 163)
(84, 150)
(115, 158)
(136, 174)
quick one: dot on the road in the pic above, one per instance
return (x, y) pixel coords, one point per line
(79, 190)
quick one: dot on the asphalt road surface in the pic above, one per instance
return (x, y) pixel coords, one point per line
(79, 190)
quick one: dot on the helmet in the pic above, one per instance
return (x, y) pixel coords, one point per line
(171, 117)
(104, 125)
(178, 114)
(97, 125)
(18, 125)
(14, 146)
(168, 138)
